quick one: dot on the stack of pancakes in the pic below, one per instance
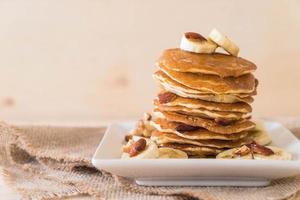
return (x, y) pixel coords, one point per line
(203, 107)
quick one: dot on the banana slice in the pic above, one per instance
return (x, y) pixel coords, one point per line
(169, 153)
(260, 135)
(194, 42)
(150, 152)
(229, 154)
(279, 154)
(224, 42)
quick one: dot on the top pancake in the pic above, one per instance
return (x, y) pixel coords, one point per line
(217, 64)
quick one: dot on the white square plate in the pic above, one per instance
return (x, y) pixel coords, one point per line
(202, 172)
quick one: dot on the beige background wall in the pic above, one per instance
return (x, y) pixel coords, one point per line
(88, 60)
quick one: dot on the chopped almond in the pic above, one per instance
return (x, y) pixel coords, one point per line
(244, 150)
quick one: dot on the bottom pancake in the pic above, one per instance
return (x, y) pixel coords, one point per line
(193, 150)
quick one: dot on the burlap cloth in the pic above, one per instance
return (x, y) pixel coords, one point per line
(55, 163)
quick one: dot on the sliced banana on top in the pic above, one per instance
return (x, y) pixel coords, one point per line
(194, 42)
(150, 152)
(169, 153)
(224, 42)
(279, 154)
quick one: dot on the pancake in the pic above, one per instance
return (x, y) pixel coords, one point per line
(162, 138)
(163, 125)
(213, 98)
(211, 125)
(240, 107)
(193, 150)
(202, 112)
(181, 90)
(166, 81)
(219, 64)
(212, 83)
